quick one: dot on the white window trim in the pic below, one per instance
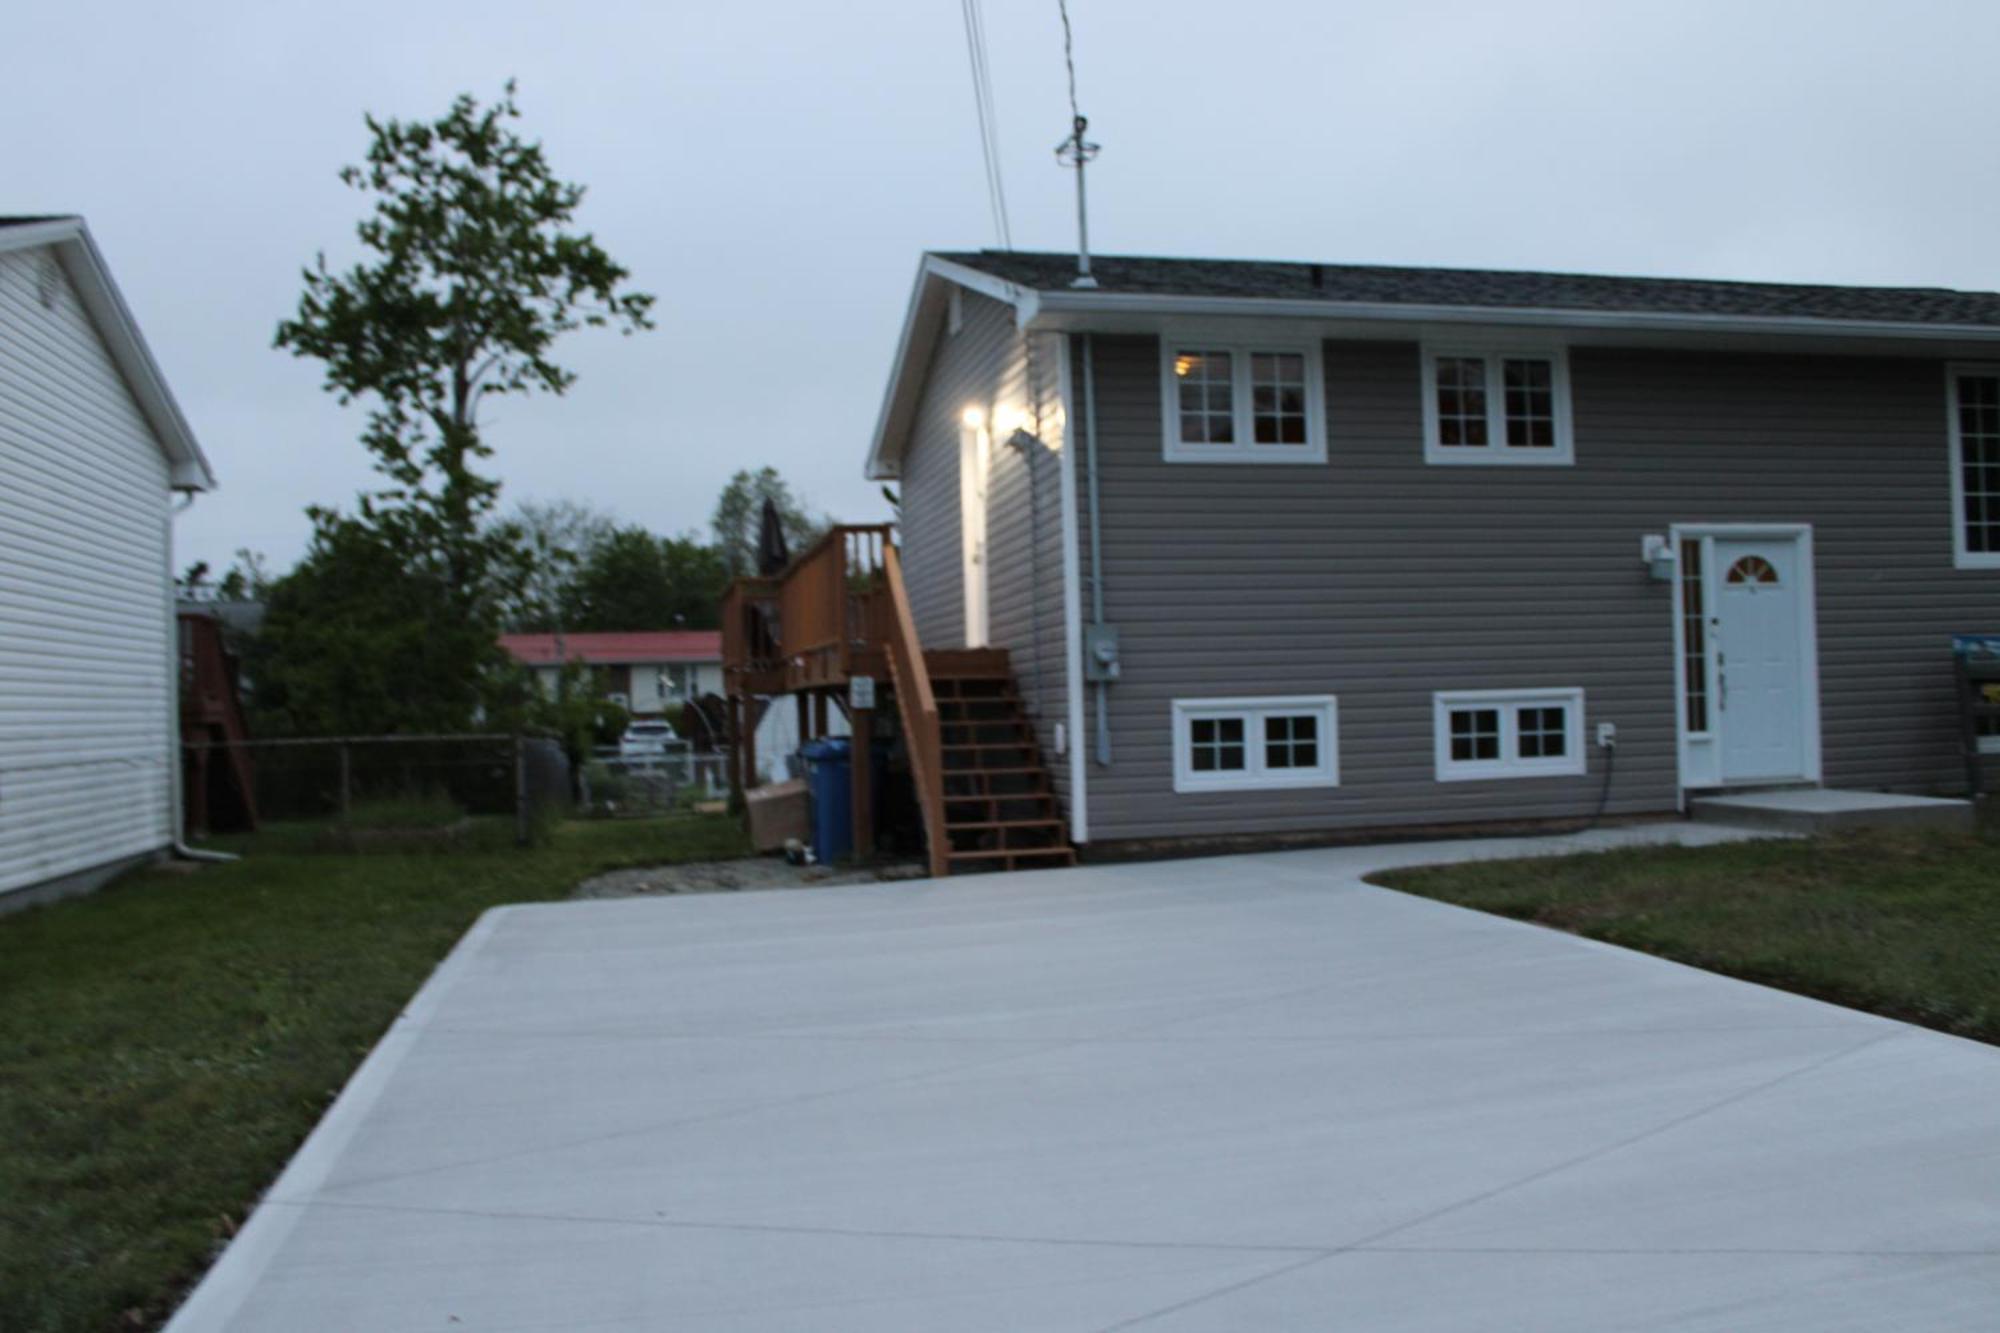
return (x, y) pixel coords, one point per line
(1495, 452)
(1961, 557)
(1244, 450)
(1253, 711)
(1571, 763)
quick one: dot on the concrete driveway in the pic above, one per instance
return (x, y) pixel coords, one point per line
(1240, 1093)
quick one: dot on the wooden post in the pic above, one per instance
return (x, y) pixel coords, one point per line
(864, 783)
(523, 829)
(752, 715)
(805, 718)
(732, 741)
(819, 715)
(346, 782)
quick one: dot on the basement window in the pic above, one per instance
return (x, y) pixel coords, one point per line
(1507, 733)
(1255, 744)
(1236, 402)
(1487, 405)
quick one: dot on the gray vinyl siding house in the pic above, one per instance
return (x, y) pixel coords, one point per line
(1523, 506)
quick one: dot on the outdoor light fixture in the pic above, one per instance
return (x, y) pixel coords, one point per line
(1658, 553)
(974, 418)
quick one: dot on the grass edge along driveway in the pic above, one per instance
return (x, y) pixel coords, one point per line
(167, 1043)
(1900, 922)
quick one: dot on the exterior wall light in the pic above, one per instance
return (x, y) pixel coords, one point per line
(1658, 553)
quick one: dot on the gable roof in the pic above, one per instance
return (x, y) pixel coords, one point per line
(1133, 289)
(1484, 289)
(617, 649)
(84, 265)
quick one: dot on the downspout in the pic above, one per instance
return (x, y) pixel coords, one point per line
(176, 798)
(1096, 540)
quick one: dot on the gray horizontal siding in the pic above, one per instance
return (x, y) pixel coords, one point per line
(989, 364)
(967, 368)
(1379, 579)
(1024, 544)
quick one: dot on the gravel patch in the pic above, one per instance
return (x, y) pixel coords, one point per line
(755, 872)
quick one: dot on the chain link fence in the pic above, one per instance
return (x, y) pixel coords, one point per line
(390, 788)
(618, 783)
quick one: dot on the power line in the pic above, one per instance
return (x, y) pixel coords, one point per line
(1069, 60)
(989, 119)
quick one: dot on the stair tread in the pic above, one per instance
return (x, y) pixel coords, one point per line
(960, 826)
(1002, 853)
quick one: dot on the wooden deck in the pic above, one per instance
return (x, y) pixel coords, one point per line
(841, 611)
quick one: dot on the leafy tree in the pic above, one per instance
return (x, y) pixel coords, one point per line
(357, 641)
(472, 274)
(560, 537)
(248, 578)
(739, 513)
(698, 577)
(577, 712)
(637, 581)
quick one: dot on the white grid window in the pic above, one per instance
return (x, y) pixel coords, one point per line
(1225, 402)
(1256, 743)
(1975, 465)
(1508, 733)
(1205, 386)
(1487, 405)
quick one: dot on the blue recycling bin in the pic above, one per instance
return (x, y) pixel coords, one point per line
(830, 781)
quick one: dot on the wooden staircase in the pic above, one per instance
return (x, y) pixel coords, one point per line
(1000, 810)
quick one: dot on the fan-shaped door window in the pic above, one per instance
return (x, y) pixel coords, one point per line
(1752, 569)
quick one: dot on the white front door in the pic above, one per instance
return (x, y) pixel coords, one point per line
(974, 457)
(1761, 693)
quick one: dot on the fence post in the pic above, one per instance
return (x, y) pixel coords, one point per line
(346, 783)
(522, 832)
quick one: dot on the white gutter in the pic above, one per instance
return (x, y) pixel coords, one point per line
(177, 799)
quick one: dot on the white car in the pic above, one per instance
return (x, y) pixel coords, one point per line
(645, 740)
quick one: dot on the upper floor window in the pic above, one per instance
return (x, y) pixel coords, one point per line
(1236, 402)
(1496, 405)
(1975, 466)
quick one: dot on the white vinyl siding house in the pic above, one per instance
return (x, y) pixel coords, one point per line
(91, 450)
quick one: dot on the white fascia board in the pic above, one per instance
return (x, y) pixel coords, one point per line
(1053, 305)
(28, 235)
(87, 271)
(913, 352)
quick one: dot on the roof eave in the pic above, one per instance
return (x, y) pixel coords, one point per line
(1053, 306)
(188, 468)
(914, 345)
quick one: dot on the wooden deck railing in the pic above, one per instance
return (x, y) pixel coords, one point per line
(840, 608)
(808, 623)
(919, 712)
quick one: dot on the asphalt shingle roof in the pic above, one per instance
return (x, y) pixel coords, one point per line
(1373, 284)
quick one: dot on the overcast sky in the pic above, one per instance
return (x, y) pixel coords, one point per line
(772, 172)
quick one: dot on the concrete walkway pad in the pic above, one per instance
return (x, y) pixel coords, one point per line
(1245, 1092)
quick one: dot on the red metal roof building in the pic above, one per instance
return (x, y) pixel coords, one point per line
(614, 649)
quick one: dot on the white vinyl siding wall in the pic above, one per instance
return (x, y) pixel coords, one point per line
(86, 638)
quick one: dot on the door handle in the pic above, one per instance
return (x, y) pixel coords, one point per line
(1722, 677)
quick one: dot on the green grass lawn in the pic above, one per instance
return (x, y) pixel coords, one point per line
(167, 1043)
(1901, 922)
